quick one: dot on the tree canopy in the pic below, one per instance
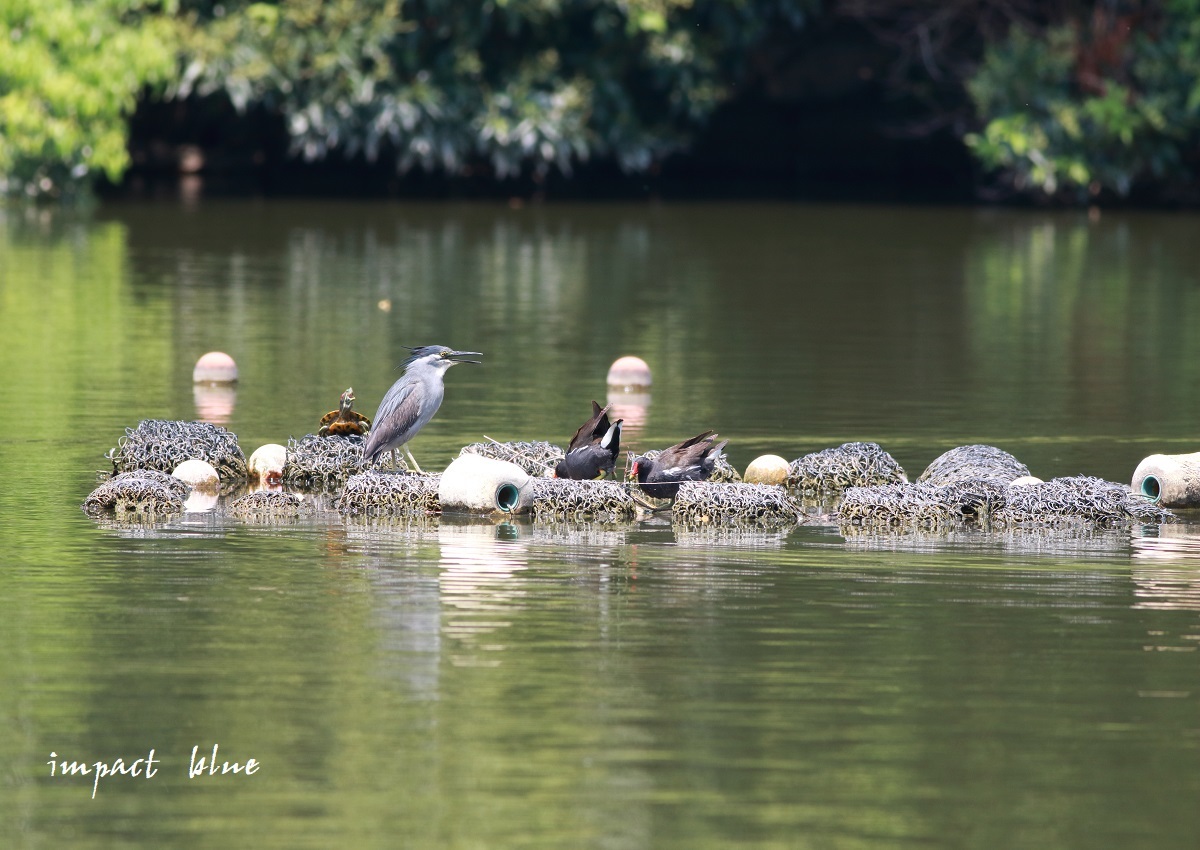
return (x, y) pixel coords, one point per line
(1065, 101)
(70, 75)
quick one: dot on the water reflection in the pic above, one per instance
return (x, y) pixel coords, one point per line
(631, 407)
(1167, 588)
(633, 684)
(199, 502)
(1070, 541)
(214, 402)
(1168, 542)
(589, 536)
(479, 581)
(1166, 573)
(409, 616)
(733, 536)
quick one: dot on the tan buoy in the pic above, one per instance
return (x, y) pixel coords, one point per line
(767, 469)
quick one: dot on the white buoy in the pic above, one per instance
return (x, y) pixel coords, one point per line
(1172, 481)
(629, 372)
(215, 367)
(485, 485)
(266, 464)
(200, 474)
(1025, 481)
(767, 469)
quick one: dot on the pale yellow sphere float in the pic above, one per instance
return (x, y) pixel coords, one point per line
(628, 372)
(767, 469)
(200, 474)
(215, 367)
(1025, 481)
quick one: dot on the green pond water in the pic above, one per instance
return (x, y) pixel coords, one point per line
(465, 684)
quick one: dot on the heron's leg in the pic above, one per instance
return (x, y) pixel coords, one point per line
(395, 466)
(413, 460)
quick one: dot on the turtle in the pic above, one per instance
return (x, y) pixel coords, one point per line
(344, 420)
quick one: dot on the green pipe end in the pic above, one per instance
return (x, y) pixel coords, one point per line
(507, 497)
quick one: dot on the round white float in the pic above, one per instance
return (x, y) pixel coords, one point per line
(215, 367)
(200, 474)
(267, 462)
(629, 372)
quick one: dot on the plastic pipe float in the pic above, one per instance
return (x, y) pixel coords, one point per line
(1172, 481)
(475, 483)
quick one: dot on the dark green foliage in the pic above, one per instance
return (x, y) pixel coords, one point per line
(70, 75)
(1078, 110)
(1072, 101)
(502, 87)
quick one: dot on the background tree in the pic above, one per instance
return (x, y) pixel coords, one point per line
(70, 75)
(1106, 103)
(504, 85)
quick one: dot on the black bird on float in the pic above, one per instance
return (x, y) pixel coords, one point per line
(691, 460)
(593, 450)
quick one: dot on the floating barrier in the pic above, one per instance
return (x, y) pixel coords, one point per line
(374, 493)
(760, 505)
(325, 463)
(266, 505)
(969, 488)
(558, 499)
(919, 505)
(974, 463)
(1078, 500)
(537, 458)
(482, 484)
(142, 494)
(1172, 481)
(829, 472)
(163, 444)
